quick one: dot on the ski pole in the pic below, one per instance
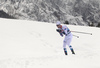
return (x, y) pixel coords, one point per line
(82, 32)
(76, 36)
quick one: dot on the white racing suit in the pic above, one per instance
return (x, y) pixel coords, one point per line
(68, 38)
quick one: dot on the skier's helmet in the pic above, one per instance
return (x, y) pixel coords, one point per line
(58, 23)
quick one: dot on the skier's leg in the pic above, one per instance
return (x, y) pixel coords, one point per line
(64, 47)
(68, 43)
(72, 50)
(65, 51)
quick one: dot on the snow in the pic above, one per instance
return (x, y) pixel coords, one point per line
(32, 44)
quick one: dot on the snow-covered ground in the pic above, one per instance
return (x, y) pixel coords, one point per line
(31, 44)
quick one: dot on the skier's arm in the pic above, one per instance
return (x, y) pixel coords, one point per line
(60, 32)
(65, 30)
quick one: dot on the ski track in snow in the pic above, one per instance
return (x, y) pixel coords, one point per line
(29, 44)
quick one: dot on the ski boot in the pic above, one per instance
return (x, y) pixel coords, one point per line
(65, 51)
(72, 51)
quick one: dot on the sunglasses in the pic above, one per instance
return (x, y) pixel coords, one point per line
(57, 25)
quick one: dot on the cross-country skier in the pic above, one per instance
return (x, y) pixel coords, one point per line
(64, 30)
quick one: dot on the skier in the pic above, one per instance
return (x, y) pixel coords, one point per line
(64, 30)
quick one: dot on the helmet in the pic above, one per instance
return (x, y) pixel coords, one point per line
(58, 23)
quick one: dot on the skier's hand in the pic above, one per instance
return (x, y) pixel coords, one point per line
(58, 30)
(61, 34)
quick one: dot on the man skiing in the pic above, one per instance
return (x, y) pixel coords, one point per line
(64, 30)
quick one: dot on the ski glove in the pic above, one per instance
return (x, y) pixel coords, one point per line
(60, 32)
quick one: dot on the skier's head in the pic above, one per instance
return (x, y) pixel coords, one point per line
(58, 24)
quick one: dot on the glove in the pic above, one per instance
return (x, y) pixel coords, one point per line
(61, 34)
(58, 30)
